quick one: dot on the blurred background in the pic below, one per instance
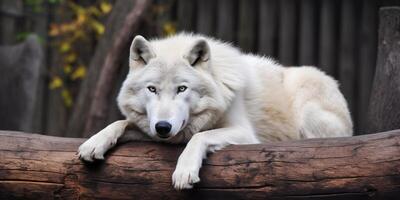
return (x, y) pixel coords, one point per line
(52, 52)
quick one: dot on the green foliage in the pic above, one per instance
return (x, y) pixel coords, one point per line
(70, 36)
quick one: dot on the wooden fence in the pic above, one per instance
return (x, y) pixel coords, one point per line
(339, 37)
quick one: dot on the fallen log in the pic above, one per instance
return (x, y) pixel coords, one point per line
(44, 167)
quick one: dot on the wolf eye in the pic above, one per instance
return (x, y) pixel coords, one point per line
(152, 89)
(181, 88)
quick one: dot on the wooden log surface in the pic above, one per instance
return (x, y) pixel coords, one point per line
(362, 167)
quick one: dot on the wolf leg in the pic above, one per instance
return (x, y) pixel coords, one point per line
(189, 162)
(98, 144)
(317, 122)
(238, 130)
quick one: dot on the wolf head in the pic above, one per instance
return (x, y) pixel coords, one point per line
(171, 92)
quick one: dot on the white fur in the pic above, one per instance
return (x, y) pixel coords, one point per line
(231, 98)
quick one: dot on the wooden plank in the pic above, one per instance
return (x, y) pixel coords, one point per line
(368, 40)
(308, 33)
(186, 14)
(347, 53)
(56, 113)
(40, 27)
(226, 18)
(247, 25)
(206, 17)
(268, 28)
(328, 37)
(389, 3)
(288, 32)
(384, 106)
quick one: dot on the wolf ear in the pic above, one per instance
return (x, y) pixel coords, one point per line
(199, 53)
(141, 50)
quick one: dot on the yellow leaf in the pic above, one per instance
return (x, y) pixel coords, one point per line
(66, 95)
(54, 30)
(92, 10)
(76, 7)
(105, 7)
(55, 83)
(67, 69)
(98, 27)
(79, 73)
(70, 58)
(169, 28)
(81, 18)
(64, 47)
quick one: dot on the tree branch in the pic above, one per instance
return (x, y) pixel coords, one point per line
(99, 107)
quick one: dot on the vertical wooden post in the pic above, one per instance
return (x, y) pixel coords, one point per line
(56, 113)
(308, 32)
(8, 22)
(384, 107)
(347, 52)
(206, 17)
(247, 24)
(19, 77)
(268, 27)
(41, 27)
(186, 15)
(328, 37)
(226, 20)
(288, 32)
(367, 43)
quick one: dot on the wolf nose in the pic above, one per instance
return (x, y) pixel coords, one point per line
(163, 128)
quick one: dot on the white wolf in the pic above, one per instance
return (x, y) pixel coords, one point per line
(197, 90)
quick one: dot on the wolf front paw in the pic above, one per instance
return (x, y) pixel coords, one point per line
(185, 178)
(95, 148)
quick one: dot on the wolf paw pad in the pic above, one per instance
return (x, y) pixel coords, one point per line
(184, 179)
(94, 149)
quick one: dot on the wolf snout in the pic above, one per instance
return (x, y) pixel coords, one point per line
(163, 128)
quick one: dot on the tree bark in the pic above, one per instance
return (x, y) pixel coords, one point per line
(384, 103)
(44, 167)
(98, 109)
(19, 78)
(115, 24)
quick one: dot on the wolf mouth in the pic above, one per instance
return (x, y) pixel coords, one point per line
(183, 123)
(164, 137)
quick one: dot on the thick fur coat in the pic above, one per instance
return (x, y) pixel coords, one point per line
(200, 91)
